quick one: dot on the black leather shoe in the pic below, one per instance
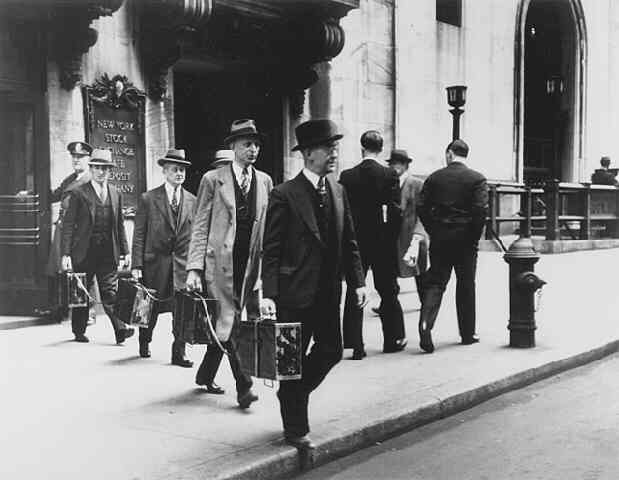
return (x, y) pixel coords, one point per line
(358, 354)
(124, 334)
(82, 338)
(397, 346)
(302, 442)
(425, 341)
(144, 350)
(470, 340)
(214, 389)
(246, 399)
(182, 362)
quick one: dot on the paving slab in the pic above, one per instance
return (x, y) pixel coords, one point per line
(98, 411)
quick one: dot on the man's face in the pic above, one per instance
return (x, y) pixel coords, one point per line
(322, 159)
(78, 162)
(246, 150)
(174, 173)
(100, 173)
(400, 168)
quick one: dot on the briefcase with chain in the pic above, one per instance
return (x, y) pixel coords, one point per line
(135, 304)
(193, 314)
(71, 290)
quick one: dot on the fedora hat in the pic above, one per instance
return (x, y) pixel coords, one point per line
(399, 156)
(174, 155)
(101, 157)
(316, 132)
(243, 128)
(222, 157)
(79, 148)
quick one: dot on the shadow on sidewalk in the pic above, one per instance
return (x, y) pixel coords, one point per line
(124, 361)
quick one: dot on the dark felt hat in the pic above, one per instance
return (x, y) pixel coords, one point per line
(79, 148)
(316, 132)
(174, 155)
(101, 157)
(245, 127)
(399, 156)
(459, 147)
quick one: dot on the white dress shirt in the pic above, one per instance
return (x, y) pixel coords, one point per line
(312, 177)
(238, 173)
(99, 190)
(169, 189)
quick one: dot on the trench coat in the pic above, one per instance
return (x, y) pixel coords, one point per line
(160, 245)
(212, 241)
(411, 224)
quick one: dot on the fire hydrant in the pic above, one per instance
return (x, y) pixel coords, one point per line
(523, 284)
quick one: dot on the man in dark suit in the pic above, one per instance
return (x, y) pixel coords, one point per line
(309, 244)
(94, 241)
(603, 176)
(374, 194)
(453, 206)
(161, 242)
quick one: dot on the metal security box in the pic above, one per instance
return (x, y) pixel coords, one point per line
(271, 350)
(135, 304)
(72, 291)
(193, 316)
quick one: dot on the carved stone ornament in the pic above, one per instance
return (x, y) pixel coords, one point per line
(168, 25)
(72, 35)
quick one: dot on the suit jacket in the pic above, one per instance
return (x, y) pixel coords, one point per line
(603, 177)
(370, 185)
(160, 244)
(293, 248)
(453, 204)
(411, 224)
(212, 242)
(78, 222)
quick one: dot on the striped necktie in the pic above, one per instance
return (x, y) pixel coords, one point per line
(245, 181)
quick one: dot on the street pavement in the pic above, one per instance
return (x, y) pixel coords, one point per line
(562, 428)
(98, 411)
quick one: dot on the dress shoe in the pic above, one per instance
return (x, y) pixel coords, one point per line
(302, 442)
(397, 346)
(182, 361)
(246, 399)
(144, 350)
(214, 389)
(123, 334)
(81, 338)
(470, 340)
(425, 341)
(358, 354)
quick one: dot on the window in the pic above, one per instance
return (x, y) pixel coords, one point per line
(449, 11)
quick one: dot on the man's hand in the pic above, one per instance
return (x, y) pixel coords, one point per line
(267, 307)
(362, 297)
(123, 262)
(65, 263)
(136, 273)
(194, 282)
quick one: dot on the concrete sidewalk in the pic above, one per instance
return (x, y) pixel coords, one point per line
(98, 411)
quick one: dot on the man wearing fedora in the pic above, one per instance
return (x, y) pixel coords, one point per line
(226, 248)
(453, 205)
(309, 245)
(80, 153)
(161, 243)
(374, 193)
(222, 158)
(94, 241)
(412, 240)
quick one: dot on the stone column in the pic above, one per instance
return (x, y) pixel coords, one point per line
(320, 92)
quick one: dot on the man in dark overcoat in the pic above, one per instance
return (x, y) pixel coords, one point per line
(453, 206)
(309, 245)
(160, 245)
(94, 242)
(374, 194)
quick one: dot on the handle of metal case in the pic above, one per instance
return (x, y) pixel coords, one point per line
(210, 324)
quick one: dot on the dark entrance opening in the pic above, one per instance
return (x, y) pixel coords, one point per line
(205, 105)
(550, 86)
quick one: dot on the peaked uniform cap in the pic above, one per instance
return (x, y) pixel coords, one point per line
(79, 148)
(243, 128)
(174, 155)
(101, 157)
(316, 132)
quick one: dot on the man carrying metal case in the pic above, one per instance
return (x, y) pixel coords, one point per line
(160, 245)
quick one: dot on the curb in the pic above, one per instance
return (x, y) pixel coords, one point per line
(284, 464)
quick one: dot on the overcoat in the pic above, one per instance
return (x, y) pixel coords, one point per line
(78, 223)
(411, 224)
(212, 242)
(160, 244)
(61, 194)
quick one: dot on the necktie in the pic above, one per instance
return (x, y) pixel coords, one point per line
(245, 181)
(174, 203)
(321, 188)
(103, 193)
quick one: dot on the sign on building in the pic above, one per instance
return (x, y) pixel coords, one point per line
(114, 119)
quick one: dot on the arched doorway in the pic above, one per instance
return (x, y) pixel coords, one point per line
(550, 85)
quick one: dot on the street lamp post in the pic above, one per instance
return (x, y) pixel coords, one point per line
(456, 97)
